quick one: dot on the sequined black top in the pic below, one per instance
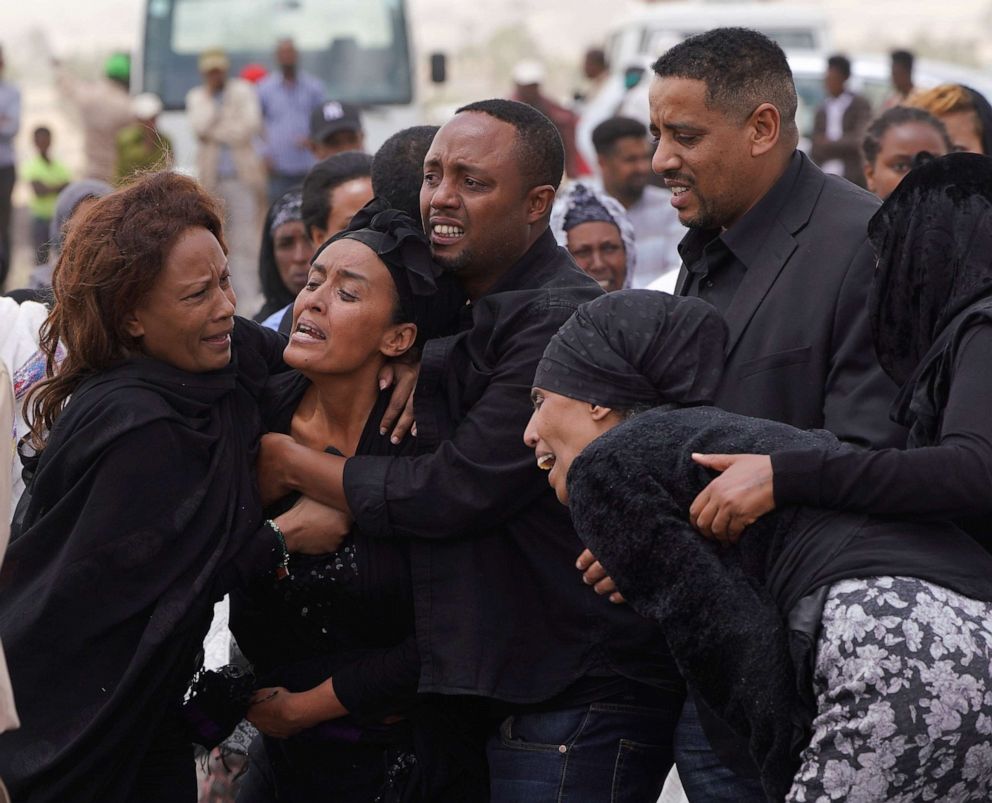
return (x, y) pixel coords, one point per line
(346, 615)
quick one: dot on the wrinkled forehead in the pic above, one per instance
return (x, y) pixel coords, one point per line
(474, 138)
(346, 253)
(673, 99)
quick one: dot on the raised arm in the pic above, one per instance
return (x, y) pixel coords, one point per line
(952, 479)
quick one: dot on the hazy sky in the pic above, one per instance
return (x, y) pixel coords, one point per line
(74, 25)
(87, 25)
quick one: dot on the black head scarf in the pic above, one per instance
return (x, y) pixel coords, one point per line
(933, 239)
(277, 295)
(401, 245)
(635, 348)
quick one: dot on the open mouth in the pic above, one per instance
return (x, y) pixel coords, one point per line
(680, 194)
(308, 333)
(223, 339)
(546, 462)
(446, 233)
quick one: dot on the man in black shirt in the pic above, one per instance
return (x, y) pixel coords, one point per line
(582, 692)
(782, 251)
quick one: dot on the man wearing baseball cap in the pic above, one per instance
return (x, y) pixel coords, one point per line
(335, 127)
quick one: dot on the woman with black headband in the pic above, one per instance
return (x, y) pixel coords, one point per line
(847, 655)
(332, 642)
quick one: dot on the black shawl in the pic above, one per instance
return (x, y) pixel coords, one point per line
(933, 239)
(141, 502)
(629, 493)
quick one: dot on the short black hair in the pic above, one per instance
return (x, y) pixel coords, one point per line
(42, 129)
(398, 168)
(741, 69)
(539, 147)
(904, 58)
(325, 176)
(840, 63)
(606, 134)
(899, 115)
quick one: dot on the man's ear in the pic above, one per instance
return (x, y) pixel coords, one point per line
(539, 202)
(399, 339)
(766, 128)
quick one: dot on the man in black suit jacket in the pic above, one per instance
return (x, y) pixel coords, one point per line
(781, 250)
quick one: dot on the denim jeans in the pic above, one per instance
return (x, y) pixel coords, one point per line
(598, 753)
(704, 777)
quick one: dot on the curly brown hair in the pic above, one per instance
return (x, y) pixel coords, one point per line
(113, 253)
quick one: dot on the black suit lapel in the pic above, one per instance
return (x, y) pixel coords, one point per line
(775, 252)
(682, 280)
(757, 282)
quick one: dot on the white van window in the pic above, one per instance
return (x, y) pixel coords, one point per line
(359, 50)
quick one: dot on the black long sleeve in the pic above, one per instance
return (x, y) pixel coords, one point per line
(379, 682)
(484, 472)
(950, 480)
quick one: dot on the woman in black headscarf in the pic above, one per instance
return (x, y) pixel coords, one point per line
(818, 638)
(284, 257)
(334, 642)
(143, 510)
(931, 314)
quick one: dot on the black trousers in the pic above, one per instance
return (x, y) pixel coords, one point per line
(8, 175)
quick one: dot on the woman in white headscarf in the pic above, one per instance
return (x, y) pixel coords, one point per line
(597, 233)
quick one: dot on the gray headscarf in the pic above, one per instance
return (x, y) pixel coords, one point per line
(65, 204)
(582, 203)
(637, 348)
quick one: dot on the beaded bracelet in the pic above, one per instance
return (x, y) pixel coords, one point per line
(282, 570)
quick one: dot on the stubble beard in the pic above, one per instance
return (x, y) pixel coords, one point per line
(456, 264)
(707, 217)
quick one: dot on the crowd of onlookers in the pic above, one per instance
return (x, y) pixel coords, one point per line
(259, 133)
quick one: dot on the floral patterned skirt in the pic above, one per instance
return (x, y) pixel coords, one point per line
(903, 682)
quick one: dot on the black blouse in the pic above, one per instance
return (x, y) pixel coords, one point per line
(348, 614)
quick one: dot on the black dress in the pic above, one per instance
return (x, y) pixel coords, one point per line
(143, 512)
(347, 615)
